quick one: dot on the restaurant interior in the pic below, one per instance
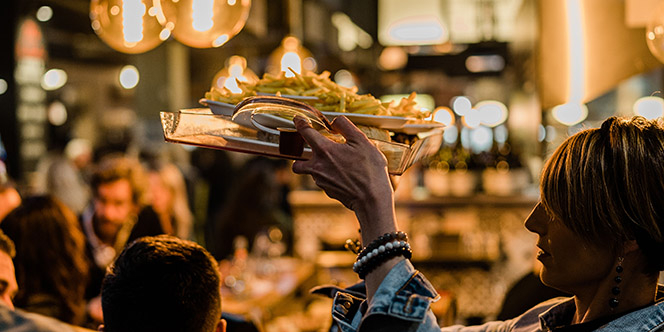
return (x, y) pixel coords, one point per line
(504, 81)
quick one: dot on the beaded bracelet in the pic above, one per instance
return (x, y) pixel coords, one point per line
(380, 250)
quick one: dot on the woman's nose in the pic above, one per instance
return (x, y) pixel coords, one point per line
(537, 220)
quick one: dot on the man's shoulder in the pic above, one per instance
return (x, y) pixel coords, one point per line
(15, 321)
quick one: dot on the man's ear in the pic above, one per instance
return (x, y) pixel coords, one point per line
(100, 328)
(221, 326)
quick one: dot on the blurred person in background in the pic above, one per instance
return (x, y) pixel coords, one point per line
(63, 174)
(117, 215)
(8, 284)
(254, 207)
(168, 195)
(51, 268)
(12, 320)
(9, 196)
(163, 284)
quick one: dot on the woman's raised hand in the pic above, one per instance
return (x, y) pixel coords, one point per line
(354, 173)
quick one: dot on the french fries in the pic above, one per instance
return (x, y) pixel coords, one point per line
(331, 97)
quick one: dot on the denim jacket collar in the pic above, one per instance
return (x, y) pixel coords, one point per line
(650, 318)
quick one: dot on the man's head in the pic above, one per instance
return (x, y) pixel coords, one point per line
(162, 283)
(8, 286)
(118, 186)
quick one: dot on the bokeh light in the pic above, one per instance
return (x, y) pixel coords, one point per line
(54, 79)
(57, 113)
(655, 33)
(44, 13)
(129, 77)
(650, 107)
(461, 105)
(3, 86)
(492, 113)
(392, 58)
(570, 114)
(444, 115)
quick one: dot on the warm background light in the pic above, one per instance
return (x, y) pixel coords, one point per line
(204, 23)
(655, 33)
(54, 79)
(291, 54)
(444, 115)
(392, 58)
(650, 107)
(492, 113)
(3, 86)
(570, 114)
(129, 77)
(461, 105)
(44, 13)
(128, 26)
(235, 70)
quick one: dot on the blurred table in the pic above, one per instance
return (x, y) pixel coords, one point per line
(263, 288)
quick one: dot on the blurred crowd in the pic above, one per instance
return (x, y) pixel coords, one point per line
(71, 220)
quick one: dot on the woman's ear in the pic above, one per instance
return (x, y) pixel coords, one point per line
(630, 246)
(221, 326)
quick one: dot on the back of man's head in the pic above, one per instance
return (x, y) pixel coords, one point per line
(162, 283)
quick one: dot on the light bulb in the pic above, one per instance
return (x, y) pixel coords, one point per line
(204, 23)
(290, 54)
(655, 33)
(128, 26)
(235, 70)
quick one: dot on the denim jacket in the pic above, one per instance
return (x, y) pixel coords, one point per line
(402, 301)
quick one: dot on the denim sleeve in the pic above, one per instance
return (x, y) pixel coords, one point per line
(402, 302)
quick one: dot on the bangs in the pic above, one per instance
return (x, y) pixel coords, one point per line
(569, 182)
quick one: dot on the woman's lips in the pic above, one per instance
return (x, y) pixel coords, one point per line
(541, 254)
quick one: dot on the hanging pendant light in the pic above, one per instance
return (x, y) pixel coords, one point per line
(291, 54)
(234, 71)
(128, 26)
(204, 23)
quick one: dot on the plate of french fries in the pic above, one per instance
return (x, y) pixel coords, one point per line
(332, 99)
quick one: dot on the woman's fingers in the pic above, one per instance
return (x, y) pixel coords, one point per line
(348, 130)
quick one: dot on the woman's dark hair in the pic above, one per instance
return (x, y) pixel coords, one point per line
(50, 263)
(607, 185)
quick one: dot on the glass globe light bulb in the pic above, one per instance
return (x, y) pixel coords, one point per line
(235, 69)
(655, 33)
(204, 23)
(128, 26)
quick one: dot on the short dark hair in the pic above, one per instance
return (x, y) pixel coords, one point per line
(7, 245)
(162, 283)
(607, 185)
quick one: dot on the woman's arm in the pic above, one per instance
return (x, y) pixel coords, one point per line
(355, 174)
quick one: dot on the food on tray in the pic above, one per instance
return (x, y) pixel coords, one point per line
(331, 97)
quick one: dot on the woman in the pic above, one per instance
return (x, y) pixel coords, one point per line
(600, 223)
(51, 269)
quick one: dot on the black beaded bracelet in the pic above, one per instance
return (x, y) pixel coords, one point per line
(380, 250)
(381, 240)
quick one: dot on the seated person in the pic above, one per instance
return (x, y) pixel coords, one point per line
(117, 216)
(9, 196)
(50, 259)
(15, 320)
(162, 284)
